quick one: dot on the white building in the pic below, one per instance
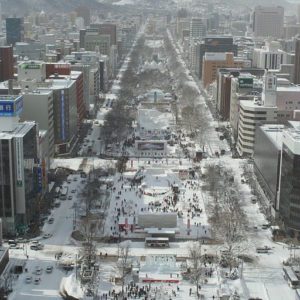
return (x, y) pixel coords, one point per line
(269, 56)
(254, 113)
(33, 70)
(268, 21)
(38, 107)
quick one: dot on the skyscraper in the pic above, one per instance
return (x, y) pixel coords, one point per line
(14, 30)
(268, 21)
(297, 62)
(6, 63)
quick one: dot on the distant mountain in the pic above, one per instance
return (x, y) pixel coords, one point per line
(21, 7)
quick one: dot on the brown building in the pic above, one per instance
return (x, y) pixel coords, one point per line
(63, 70)
(213, 61)
(107, 29)
(6, 63)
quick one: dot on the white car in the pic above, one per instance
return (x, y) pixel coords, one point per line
(28, 279)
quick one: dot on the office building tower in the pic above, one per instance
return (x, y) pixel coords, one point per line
(6, 63)
(197, 28)
(19, 168)
(290, 177)
(254, 113)
(297, 62)
(215, 44)
(14, 30)
(213, 61)
(269, 56)
(268, 21)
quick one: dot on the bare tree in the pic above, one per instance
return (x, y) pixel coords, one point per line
(124, 263)
(196, 263)
(226, 214)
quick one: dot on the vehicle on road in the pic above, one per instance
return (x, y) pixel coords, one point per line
(49, 269)
(70, 197)
(47, 235)
(37, 280)
(28, 279)
(51, 221)
(38, 270)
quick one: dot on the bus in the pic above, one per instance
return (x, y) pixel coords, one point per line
(290, 276)
(157, 242)
(63, 193)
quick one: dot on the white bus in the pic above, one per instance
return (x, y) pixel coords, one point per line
(157, 242)
(63, 193)
(290, 276)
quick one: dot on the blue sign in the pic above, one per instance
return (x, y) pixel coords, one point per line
(11, 107)
(62, 115)
(7, 108)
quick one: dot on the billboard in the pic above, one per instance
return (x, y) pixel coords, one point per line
(31, 66)
(246, 83)
(11, 107)
(150, 146)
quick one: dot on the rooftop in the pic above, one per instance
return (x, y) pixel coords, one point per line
(274, 133)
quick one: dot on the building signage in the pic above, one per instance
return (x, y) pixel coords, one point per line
(12, 107)
(246, 83)
(142, 146)
(19, 161)
(40, 179)
(62, 116)
(31, 66)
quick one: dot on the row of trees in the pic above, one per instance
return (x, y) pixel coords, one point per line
(226, 213)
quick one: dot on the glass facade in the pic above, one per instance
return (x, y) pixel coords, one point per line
(6, 206)
(290, 189)
(31, 177)
(19, 188)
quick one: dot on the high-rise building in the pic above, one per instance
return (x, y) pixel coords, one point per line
(253, 113)
(197, 28)
(107, 28)
(213, 61)
(297, 62)
(269, 56)
(14, 30)
(215, 44)
(6, 63)
(19, 168)
(40, 101)
(267, 157)
(227, 90)
(290, 177)
(268, 21)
